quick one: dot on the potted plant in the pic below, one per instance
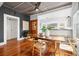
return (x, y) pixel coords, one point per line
(44, 29)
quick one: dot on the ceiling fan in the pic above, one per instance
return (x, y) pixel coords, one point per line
(36, 6)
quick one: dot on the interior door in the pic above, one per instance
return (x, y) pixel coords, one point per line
(9, 29)
(12, 28)
(33, 27)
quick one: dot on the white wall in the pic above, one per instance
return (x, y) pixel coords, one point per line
(1, 3)
(56, 16)
(75, 11)
(75, 6)
(75, 17)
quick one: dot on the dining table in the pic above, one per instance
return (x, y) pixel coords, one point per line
(56, 40)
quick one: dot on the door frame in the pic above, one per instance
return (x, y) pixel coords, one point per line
(32, 31)
(5, 27)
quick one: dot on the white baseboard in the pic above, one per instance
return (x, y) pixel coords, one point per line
(2, 43)
(21, 38)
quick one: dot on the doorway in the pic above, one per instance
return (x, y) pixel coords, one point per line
(33, 28)
(11, 27)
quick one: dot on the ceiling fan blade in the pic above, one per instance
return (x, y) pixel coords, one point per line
(31, 10)
(36, 6)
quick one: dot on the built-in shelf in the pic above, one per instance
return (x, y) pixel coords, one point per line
(62, 29)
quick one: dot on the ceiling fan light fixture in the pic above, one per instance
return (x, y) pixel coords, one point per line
(37, 9)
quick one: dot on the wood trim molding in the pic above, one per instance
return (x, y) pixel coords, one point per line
(5, 26)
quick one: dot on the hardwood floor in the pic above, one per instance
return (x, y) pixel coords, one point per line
(26, 48)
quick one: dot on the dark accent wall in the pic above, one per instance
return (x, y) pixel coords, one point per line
(10, 12)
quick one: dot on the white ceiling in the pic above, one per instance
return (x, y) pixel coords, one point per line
(26, 7)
